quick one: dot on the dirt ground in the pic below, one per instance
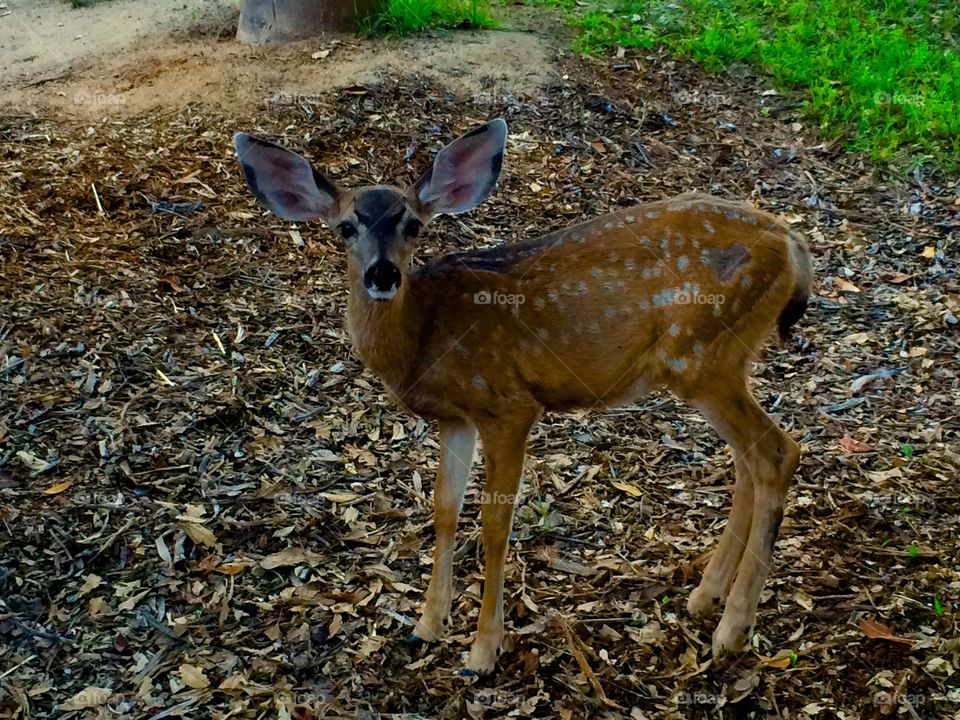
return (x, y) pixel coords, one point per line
(209, 509)
(148, 62)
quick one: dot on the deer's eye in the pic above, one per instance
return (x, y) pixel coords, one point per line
(413, 228)
(347, 230)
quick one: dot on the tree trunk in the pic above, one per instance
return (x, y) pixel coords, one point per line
(278, 21)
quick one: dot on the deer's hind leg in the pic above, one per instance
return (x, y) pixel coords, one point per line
(722, 568)
(766, 459)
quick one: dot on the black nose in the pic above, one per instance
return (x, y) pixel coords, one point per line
(382, 275)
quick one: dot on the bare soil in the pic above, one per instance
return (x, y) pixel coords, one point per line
(135, 56)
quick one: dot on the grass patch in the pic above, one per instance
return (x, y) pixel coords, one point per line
(885, 74)
(401, 17)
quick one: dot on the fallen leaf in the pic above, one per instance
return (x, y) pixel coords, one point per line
(291, 556)
(929, 252)
(33, 463)
(90, 583)
(879, 631)
(780, 661)
(852, 445)
(628, 488)
(57, 488)
(845, 285)
(199, 534)
(194, 677)
(89, 697)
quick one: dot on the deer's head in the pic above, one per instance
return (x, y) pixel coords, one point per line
(379, 224)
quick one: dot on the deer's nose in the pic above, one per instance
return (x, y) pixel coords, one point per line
(382, 277)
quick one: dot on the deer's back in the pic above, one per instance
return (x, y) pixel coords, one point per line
(601, 312)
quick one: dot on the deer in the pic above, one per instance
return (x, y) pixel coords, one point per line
(677, 293)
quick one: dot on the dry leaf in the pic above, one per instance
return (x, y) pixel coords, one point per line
(291, 556)
(845, 285)
(57, 488)
(33, 463)
(852, 445)
(628, 488)
(194, 677)
(200, 534)
(879, 631)
(89, 697)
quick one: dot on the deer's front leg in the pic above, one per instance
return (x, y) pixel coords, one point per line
(457, 443)
(503, 455)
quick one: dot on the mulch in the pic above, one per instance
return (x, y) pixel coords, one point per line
(209, 509)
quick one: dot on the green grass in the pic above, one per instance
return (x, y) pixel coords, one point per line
(400, 17)
(883, 74)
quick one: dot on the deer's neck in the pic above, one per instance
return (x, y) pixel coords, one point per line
(384, 333)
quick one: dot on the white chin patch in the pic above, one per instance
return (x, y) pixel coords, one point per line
(381, 294)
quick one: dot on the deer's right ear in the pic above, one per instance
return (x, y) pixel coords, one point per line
(284, 181)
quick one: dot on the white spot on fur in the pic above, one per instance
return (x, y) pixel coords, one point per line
(609, 312)
(629, 218)
(629, 264)
(581, 288)
(674, 329)
(708, 227)
(543, 333)
(652, 214)
(746, 281)
(596, 272)
(539, 303)
(478, 382)
(682, 262)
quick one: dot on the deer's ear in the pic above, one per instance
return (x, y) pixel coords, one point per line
(284, 181)
(463, 173)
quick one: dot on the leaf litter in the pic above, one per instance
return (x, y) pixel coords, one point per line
(210, 509)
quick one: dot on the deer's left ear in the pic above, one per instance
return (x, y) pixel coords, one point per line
(464, 172)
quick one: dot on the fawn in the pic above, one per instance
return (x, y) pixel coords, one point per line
(677, 293)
